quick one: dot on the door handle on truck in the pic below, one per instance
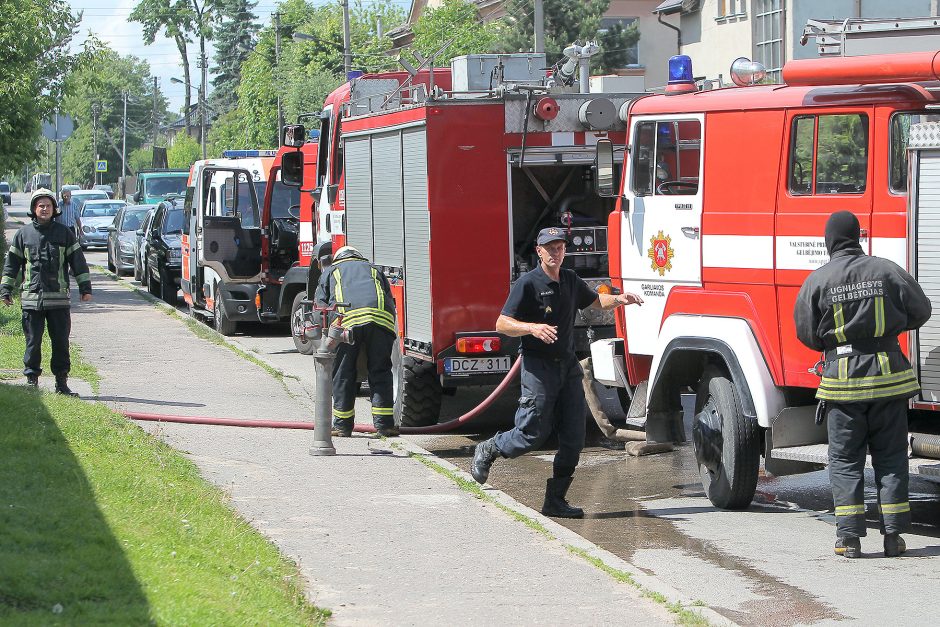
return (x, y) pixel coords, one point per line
(691, 231)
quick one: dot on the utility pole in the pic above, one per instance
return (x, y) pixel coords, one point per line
(154, 111)
(203, 65)
(58, 157)
(277, 73)
(95, 109)
(124, 144)
(347, 55)
(539, 27)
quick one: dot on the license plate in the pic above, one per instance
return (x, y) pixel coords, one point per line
(479, 365)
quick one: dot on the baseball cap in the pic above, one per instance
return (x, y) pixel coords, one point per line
(551, 234)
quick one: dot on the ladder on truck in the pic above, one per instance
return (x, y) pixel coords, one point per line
(856, 36)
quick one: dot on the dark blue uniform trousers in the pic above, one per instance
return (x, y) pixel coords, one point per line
(377, 343)
(879, 428)
(59, 321)
(552, 400)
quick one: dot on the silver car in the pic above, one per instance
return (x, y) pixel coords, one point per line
(122, 239)
(96, 217)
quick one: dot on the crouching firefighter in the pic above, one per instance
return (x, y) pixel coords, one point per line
(853, 309)
(541, 309)
(38, 262)
(367, 310)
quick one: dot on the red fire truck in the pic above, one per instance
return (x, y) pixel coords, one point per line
(720, 218)
(442, 178)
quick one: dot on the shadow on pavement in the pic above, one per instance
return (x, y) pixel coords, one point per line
(146, 401)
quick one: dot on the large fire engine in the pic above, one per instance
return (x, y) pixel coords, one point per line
(442, 178)
(720, 218)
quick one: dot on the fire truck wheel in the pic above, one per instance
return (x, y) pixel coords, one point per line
(726, 442)
(302, 344)
(221, 322)
(417, 390)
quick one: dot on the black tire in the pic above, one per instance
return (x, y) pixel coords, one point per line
(220, 321)
(111, 265)
(726, 442)
(137, 274)
(417, 390)
(303, 345)
(167, 288)
(152, 286)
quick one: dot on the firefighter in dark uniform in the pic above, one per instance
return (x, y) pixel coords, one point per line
(38, 261)
(541, 310)
(853, 309)
(369, 312)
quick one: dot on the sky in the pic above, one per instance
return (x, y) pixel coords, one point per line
(109, 20)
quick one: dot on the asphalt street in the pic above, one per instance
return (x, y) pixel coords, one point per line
(770, 564)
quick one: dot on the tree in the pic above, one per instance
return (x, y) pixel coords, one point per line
(457, 20)
(235, 32)
(566, 22)
(184, 151)
(34, 38)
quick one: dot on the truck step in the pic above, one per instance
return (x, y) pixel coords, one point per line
(637, 412)
(819, 454)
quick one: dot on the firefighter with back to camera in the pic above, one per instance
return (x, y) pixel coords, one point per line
(541, 310)
(853, 309)
(368, 312)
(40, 257)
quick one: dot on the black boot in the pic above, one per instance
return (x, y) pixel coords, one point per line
(849, 546)
(62, 385)
(483, 457)
(32, 379)
(555, 504)
(894, 545)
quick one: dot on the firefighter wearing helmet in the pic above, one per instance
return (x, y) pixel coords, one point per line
(541, 310)
(38, 263)
(853, 309)
(367, 310)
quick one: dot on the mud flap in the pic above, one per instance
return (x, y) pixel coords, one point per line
(794, 426)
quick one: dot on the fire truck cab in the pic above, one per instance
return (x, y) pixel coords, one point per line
(720, 218)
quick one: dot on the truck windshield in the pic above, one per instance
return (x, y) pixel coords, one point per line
(165, 185)
(283, 198)
(900, 137)
(173, 221)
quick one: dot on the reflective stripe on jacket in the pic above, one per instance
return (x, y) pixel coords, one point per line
(354, 281)
(38, 262)
(868, 301)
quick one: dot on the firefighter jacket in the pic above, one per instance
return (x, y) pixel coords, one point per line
(38, 262)
(853, 309)
(364, 290)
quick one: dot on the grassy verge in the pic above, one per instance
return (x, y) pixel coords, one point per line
(103, 524)
(12, 345)
(684, 615)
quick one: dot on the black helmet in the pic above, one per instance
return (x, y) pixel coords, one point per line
(39, 193)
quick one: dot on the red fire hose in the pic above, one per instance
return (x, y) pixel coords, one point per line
(443, 427)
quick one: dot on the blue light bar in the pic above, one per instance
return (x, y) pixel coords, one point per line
(245, 154)
(680, 70)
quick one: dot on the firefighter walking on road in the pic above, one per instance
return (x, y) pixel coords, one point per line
(367, 310)
(541, 310)
(40, 257)
(853, 309)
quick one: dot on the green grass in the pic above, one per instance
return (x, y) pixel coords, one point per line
(12, 345)
(684, 615)
(104, 524)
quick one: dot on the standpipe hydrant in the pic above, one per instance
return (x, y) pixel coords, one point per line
(328, 338)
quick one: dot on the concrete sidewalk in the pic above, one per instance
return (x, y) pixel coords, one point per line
(380, 536)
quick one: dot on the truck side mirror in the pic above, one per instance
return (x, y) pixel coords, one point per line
(292, 168)
(604, 169)
(294, 135)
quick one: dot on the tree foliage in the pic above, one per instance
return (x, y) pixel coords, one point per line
(236, 28)
(566, 22)
(184, 151)
(34, 38)
(99, 82)
(455, 20)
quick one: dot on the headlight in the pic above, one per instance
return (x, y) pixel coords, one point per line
(88, 229)
(127, 247)
(175, 253)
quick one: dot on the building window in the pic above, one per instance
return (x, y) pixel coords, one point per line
(731, 8)
(611, 23)
(768, 36)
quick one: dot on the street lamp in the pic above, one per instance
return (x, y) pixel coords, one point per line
(201, 106)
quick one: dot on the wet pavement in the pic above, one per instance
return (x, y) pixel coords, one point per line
(770, 564)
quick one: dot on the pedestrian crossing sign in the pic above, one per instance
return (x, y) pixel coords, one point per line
(101, 166)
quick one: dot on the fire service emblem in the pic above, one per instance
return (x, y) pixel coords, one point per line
(661, 253)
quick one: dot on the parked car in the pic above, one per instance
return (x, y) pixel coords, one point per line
(81, 196)
(5, 195)
(96, 216)
(122, 238)
(140, 245)
(106, 189)
(164, 251)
